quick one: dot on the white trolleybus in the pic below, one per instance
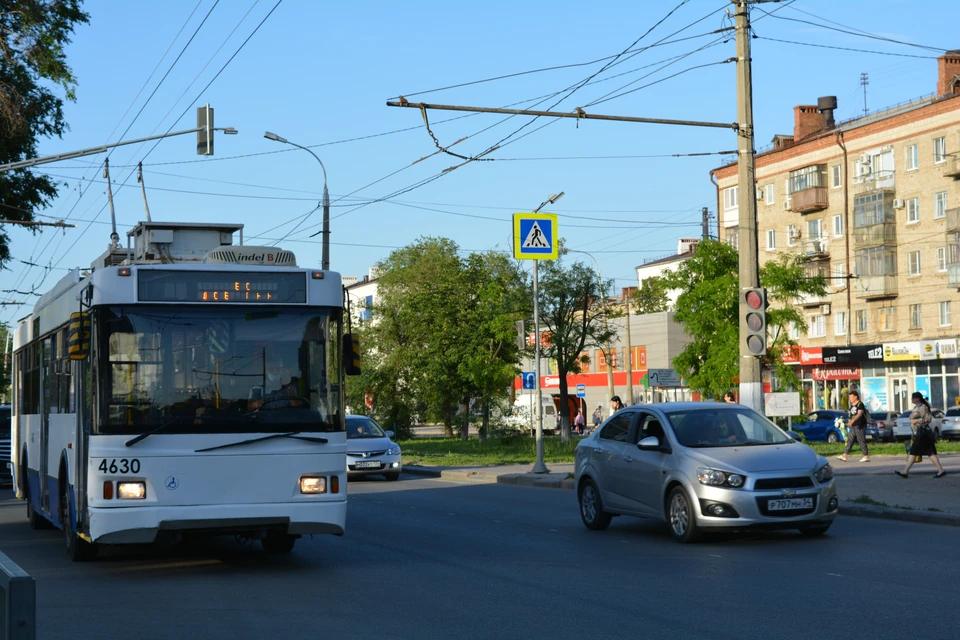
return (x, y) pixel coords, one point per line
(184, 385)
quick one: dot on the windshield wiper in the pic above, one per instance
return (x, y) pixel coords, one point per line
(294, 435)
(146, 434)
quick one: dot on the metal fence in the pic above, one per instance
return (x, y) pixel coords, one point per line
(18, 613)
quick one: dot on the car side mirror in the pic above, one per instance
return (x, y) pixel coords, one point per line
(651, 443)
(390, 434)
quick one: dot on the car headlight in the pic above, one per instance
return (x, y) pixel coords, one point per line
(394, 450)
(716, 478)
(131, 490)
(824, 473)
(313, 484)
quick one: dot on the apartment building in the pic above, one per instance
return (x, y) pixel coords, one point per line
(874, 205)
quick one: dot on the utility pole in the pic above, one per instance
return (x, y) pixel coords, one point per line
(705, 223)
(864, 81)
(751, 383)
(629, 357)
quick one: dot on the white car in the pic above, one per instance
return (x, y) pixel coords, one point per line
(950, 427)
(903, 431)
(370, 450)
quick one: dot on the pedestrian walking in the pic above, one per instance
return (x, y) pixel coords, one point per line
(579, 422)
(856, 428)
(924, 442)
(615, 404)
(598, 416)
(729, 398)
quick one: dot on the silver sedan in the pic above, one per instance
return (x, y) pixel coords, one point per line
(370, 450)
(702, 467)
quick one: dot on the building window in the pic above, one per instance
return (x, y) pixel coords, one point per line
(837, 226)
(913, 210)
(836, 176)
(768, 194)
(792, 235)
(794, 331)
(817, 327)
(913, 160)
(840, 323)
(941, 259)
(732, 237)
(771, 239)
(913, 264)
(940, 206)
(861, 320)
(875, 261)
(888, 319)
(814, 229)
(871, 209)
(730, 199)
(945, 314)
(939, 150)
(807, 178)
(916, 316)
(839, 275)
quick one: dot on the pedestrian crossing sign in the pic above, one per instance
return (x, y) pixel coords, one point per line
(535, 236)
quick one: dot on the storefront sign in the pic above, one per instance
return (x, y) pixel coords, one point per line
(811, 355)
(850, 372)
(898, 351)
(922, 385)
(782, 404)
(947, 348)
(928, 350)
(873, 392)
(857, 353)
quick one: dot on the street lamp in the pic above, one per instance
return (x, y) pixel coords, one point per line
(539, 466)
(325, 253)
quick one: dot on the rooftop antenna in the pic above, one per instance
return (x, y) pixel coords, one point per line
(864, 81)
(143, 189)
(114, 237)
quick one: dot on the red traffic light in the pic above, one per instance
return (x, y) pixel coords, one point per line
(754, 300)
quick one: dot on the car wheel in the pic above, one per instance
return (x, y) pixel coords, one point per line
(591, 507)
(277, 542)
(936, 435)
(833, 438)
(813, 532)
(78, 549)
(393, 477)
(681, 517)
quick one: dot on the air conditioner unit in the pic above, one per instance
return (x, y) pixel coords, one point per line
(794, 234)
(865, 160)
(825, 309)
(759, 193)
(786, 205)
(898, 203)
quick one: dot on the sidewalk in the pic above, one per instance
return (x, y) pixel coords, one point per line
(868, 489)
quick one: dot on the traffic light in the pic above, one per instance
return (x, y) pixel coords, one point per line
(205, 136)
(351, 355)
(753, 307)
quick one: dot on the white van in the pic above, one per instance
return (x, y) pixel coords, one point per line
(522, 406)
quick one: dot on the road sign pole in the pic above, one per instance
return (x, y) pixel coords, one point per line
(539, 466)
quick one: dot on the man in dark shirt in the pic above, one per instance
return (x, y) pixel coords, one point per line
(857, 428)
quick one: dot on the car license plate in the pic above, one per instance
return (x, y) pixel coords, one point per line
(368, 464)
(789, 504)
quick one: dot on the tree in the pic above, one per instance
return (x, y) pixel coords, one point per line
(709, 311)
(33, 36)
(651, 297)
(573, 312)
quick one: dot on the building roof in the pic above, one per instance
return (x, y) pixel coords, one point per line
(677, 257)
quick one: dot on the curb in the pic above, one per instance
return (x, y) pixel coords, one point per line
(905, 515)
(478, 477)
(529, 480)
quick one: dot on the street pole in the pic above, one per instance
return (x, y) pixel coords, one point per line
(629, 357)
(325, 246)
(751, 385)
(607, 352)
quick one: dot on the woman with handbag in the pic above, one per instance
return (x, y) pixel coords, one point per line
(924, 443)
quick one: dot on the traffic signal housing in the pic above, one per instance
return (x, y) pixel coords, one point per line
(753, 309)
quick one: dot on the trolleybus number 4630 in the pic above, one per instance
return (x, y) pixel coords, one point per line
(120, 466)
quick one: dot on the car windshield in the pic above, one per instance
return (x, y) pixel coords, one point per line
(363, 428)
(197, 369)
(953, 411)
(724, 427)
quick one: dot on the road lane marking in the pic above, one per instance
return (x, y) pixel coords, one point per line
(835, 575)
(713, 555)
(554, 530)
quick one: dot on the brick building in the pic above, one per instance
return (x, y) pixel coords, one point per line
(874, 204)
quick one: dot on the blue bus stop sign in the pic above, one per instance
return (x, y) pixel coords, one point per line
(581, 391)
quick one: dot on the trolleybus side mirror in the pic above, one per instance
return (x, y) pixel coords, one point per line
(351, 355)
(78, 336)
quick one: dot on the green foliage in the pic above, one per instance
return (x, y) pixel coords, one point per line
(651, 297)
(33, 36)
(473, 452)
(709, 311)
(573, 311)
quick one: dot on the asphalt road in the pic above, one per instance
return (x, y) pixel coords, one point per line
(430, 559)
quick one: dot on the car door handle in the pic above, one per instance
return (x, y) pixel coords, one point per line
(627, 459)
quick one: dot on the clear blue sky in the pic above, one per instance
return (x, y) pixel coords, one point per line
(320, 72)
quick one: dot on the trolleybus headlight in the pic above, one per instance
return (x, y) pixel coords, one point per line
(131, 490)
(313, 484)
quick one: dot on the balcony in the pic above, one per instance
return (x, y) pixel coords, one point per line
(868, 287)
(953, 265)
(809, 200)
(951, 168)
(816, 247)
(953, 220)
(812, 300)
(875, 181)
(877, 234)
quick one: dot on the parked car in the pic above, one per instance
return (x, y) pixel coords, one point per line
(884, 421)
(903, 431)
(950, 425)
(370, 450)
(702, 467)
(821, 426)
